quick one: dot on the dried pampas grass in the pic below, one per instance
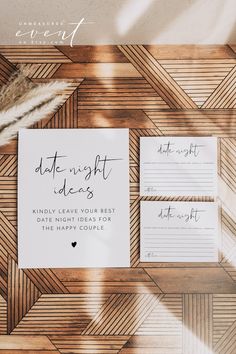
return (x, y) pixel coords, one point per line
(17, 86)
(11, 130)
(23, 103)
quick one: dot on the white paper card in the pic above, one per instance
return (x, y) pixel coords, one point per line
(179, 231)
(73, 198)
(178, 166)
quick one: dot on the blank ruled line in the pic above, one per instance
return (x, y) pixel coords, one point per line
(184, 228)
(179, 183)
(181, 234)
(173, 171)
(185, 250)
(189, 246)
(195, 257)
(177, 189)
(180, 241)
(185, 178)
(176, 163)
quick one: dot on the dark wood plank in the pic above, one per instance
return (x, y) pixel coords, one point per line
(192, 280)
(78, 70)
(177, 52)
(109, 118)
(93, 54)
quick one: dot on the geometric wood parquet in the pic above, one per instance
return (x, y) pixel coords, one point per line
(161, 308)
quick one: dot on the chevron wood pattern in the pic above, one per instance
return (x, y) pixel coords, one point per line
(152, 345)
(224, 314)
(3, 318)
(89, 344)
(228, 249)
(121, 308)
(161, 308)
(88, 281)
(219, 123)
(46, 280)
(22, 294)
(8, 248)
(197, 321)
(8, 165)
(142, 59)
(227, 343)
(165, 319)
(27, 345)
(6, 69)
(8, 192)
(223, 96)
(38, 71)
(200, 78)
(227, 162)
(33, 54)
(119, 94)
(65, 314)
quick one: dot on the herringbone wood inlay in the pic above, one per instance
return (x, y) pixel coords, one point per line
(161, 308)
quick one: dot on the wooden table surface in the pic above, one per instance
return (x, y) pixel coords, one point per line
(162, 308)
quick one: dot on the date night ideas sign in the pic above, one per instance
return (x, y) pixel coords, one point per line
(73, 198)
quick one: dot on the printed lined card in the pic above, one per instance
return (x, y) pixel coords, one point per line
(178, 166)
(179, 231)
(73, 198)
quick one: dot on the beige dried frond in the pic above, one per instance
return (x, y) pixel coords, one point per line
(22, 103)
(50, 89)
(10, 131)
(31, 100)
(17, 86)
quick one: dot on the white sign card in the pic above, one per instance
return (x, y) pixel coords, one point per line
(178, 166)
(73, 198)
(179, 231)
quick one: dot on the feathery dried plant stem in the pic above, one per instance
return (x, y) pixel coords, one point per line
(16, 87)
(23, 103)
(32, 100)
(10, 131)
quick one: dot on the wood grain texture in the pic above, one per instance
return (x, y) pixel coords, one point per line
(202, 80)
(22, 294)
(161, 308)
(6, 70)
(220, 123)
(224, 314)
(27, 345)
(119, 94)
(224, 95)
(190, 52)
(228, 162)
(94, 54)
(165, 320)
(113, 118)
(3, 317)
(192, 280)
(159, 79)
(33, 54)
(93, 70)
(89, 344)
(60, 314)
(113, 281)
(117, 316)
(198, 323)
(38, 71)
(157, 344)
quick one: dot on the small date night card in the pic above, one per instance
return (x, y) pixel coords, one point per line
(178, 166)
